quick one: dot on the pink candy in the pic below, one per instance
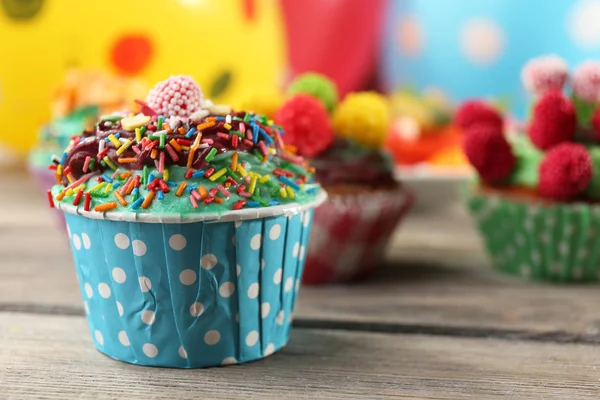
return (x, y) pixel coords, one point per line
(178, 96)
(586, 81)
(543, 74)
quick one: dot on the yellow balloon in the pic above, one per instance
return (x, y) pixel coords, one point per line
(228, 46)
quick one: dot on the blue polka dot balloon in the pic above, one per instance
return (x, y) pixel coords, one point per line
(477, 48)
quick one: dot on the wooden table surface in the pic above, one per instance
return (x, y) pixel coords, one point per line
(434, 323)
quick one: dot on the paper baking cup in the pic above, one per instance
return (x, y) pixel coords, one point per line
(350, 235)
(186, 295)
(547, 242)
(45, 179)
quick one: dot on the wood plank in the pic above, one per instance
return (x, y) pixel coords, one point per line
(52, 357)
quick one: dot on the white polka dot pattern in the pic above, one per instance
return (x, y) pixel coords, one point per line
(549, 243)
(151, 291)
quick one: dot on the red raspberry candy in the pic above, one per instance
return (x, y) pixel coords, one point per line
(477, 112)
(178, 96)
(306, 124)
(489, 152)
(565, 172)
(554, 121)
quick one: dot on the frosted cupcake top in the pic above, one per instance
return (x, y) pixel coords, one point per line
(344, 139)
(556, 156)
(181, 156)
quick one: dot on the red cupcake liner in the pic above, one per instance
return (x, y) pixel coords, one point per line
(350, 234)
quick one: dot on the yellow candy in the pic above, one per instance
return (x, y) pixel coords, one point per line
(131, 123)
(363, 117)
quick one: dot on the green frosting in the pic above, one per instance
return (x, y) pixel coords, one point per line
(593, 189)
(526, 172)
(54, 137)
(171, 204)
(318, 86)
(227, 178)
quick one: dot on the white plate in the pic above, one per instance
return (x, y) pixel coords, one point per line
(433, 187)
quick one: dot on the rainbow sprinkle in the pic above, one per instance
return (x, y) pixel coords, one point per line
(227, 153)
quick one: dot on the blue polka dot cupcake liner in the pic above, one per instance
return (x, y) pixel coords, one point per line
(190, 295)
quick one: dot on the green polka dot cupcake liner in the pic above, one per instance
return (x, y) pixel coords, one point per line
(538, 241)
(189, 295)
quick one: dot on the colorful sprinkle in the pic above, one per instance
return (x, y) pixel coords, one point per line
(289, 182)
(252, 184)
(190, 132)
(210, 154)
(124, 147)
(161, 163)
(120, 198)
(175, 145)
(87, 202)
(218, 174)
(110, 163)
(209, 172)
(127, 160)
(181, 189)
(172, 152)
(137, 203)
(148, 200)
(290, 192)
(223, 190)
(78, 197)
(105, 207)
(203, 192)
(239, 204)
(114, 140)
(86, 164)
(193, 201)
(50, 198)
(106, 178)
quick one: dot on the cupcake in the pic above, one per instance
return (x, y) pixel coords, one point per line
(188, 224)
(422, 132)
(535, 201)
(77, 102)
(344, 140)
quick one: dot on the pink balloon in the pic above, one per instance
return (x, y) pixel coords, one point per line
(337, 38)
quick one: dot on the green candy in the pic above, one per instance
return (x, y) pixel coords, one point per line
(526, 171)
(111, 118)
(318, 86)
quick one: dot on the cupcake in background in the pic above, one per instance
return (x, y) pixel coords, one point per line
(535, 200)
(344, 140)
(188, 224)
(76, 103)
(422, 133)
